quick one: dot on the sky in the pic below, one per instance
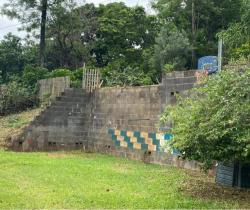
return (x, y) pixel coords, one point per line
(7, 25)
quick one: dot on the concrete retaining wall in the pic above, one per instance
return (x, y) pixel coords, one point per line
(53, 87)
(78, 119)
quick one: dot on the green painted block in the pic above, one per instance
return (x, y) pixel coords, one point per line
(156, 142)
(140, 140)
(158, 148)
(127, 139)
(137, 134)
(130, 145)
(144, 147)
(123, 133)
(152, 135)
(111, 131)
(114, 137)
(117, 144)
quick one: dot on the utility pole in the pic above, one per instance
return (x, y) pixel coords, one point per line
(220, 49)
(193, 35)
(44, 7)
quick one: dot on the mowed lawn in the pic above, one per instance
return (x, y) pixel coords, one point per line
(78, 180)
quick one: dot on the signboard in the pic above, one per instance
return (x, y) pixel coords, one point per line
(208, 64)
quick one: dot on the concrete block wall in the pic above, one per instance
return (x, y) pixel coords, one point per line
(78, 119)
(129, 108)
(52, 87)
(63, 125)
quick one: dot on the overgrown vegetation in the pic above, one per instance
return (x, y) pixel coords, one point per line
(212, 122)
(11, 126)
(76, 180)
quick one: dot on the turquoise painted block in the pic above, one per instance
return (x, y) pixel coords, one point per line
(114, 137)
(140, 140)
(167, 136)
(127, 139)
(144, 147)
(137, 134)
(130, 145)
(123, 133)
(158, 148)
(111, 131)
(156, 142)
(152, 135)
(117, 144)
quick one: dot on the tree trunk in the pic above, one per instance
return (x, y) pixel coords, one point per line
(193, 36)
(42, 32)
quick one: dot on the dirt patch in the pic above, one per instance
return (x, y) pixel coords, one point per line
(65, 154)
(60, 155)
(204, 187)
(11, 126)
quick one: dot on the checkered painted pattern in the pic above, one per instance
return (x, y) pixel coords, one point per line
(139, 140)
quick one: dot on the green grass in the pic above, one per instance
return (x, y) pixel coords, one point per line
(78, 180)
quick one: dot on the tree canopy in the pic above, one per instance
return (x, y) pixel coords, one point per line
(129, 46)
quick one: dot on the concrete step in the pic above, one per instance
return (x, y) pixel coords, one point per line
(76, 92)
(67, 103)
(60, 123)
(68, 109)
(68, 98)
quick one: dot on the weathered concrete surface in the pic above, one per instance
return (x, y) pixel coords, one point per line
(78, 119)
(64, 125)
(52, 87)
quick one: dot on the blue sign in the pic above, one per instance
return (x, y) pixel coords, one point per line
(209, 64)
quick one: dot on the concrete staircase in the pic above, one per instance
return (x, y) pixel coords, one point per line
(63, 125)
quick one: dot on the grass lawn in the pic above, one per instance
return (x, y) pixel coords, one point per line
(78, 180)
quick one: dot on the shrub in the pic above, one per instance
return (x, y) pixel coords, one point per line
(212, 123)
(131, 76)
(32, 74)
(15, 97)
(59, 73)
(76, 78)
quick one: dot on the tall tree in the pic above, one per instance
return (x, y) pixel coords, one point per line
(72, 30)
(200, 19)
(11, 57)
(33, 14)
(237, 36)
(123, 33)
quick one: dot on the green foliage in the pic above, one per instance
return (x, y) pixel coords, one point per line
(77, 180)
(116, 75)
(15, 97)
(237, 36)
(11, 57)
(243, 51)
(212, 123)
(172, 47)
(76, 78)
(125, 35)
(210, 17)
(60, 73)
(32, 74)
(168, 68)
